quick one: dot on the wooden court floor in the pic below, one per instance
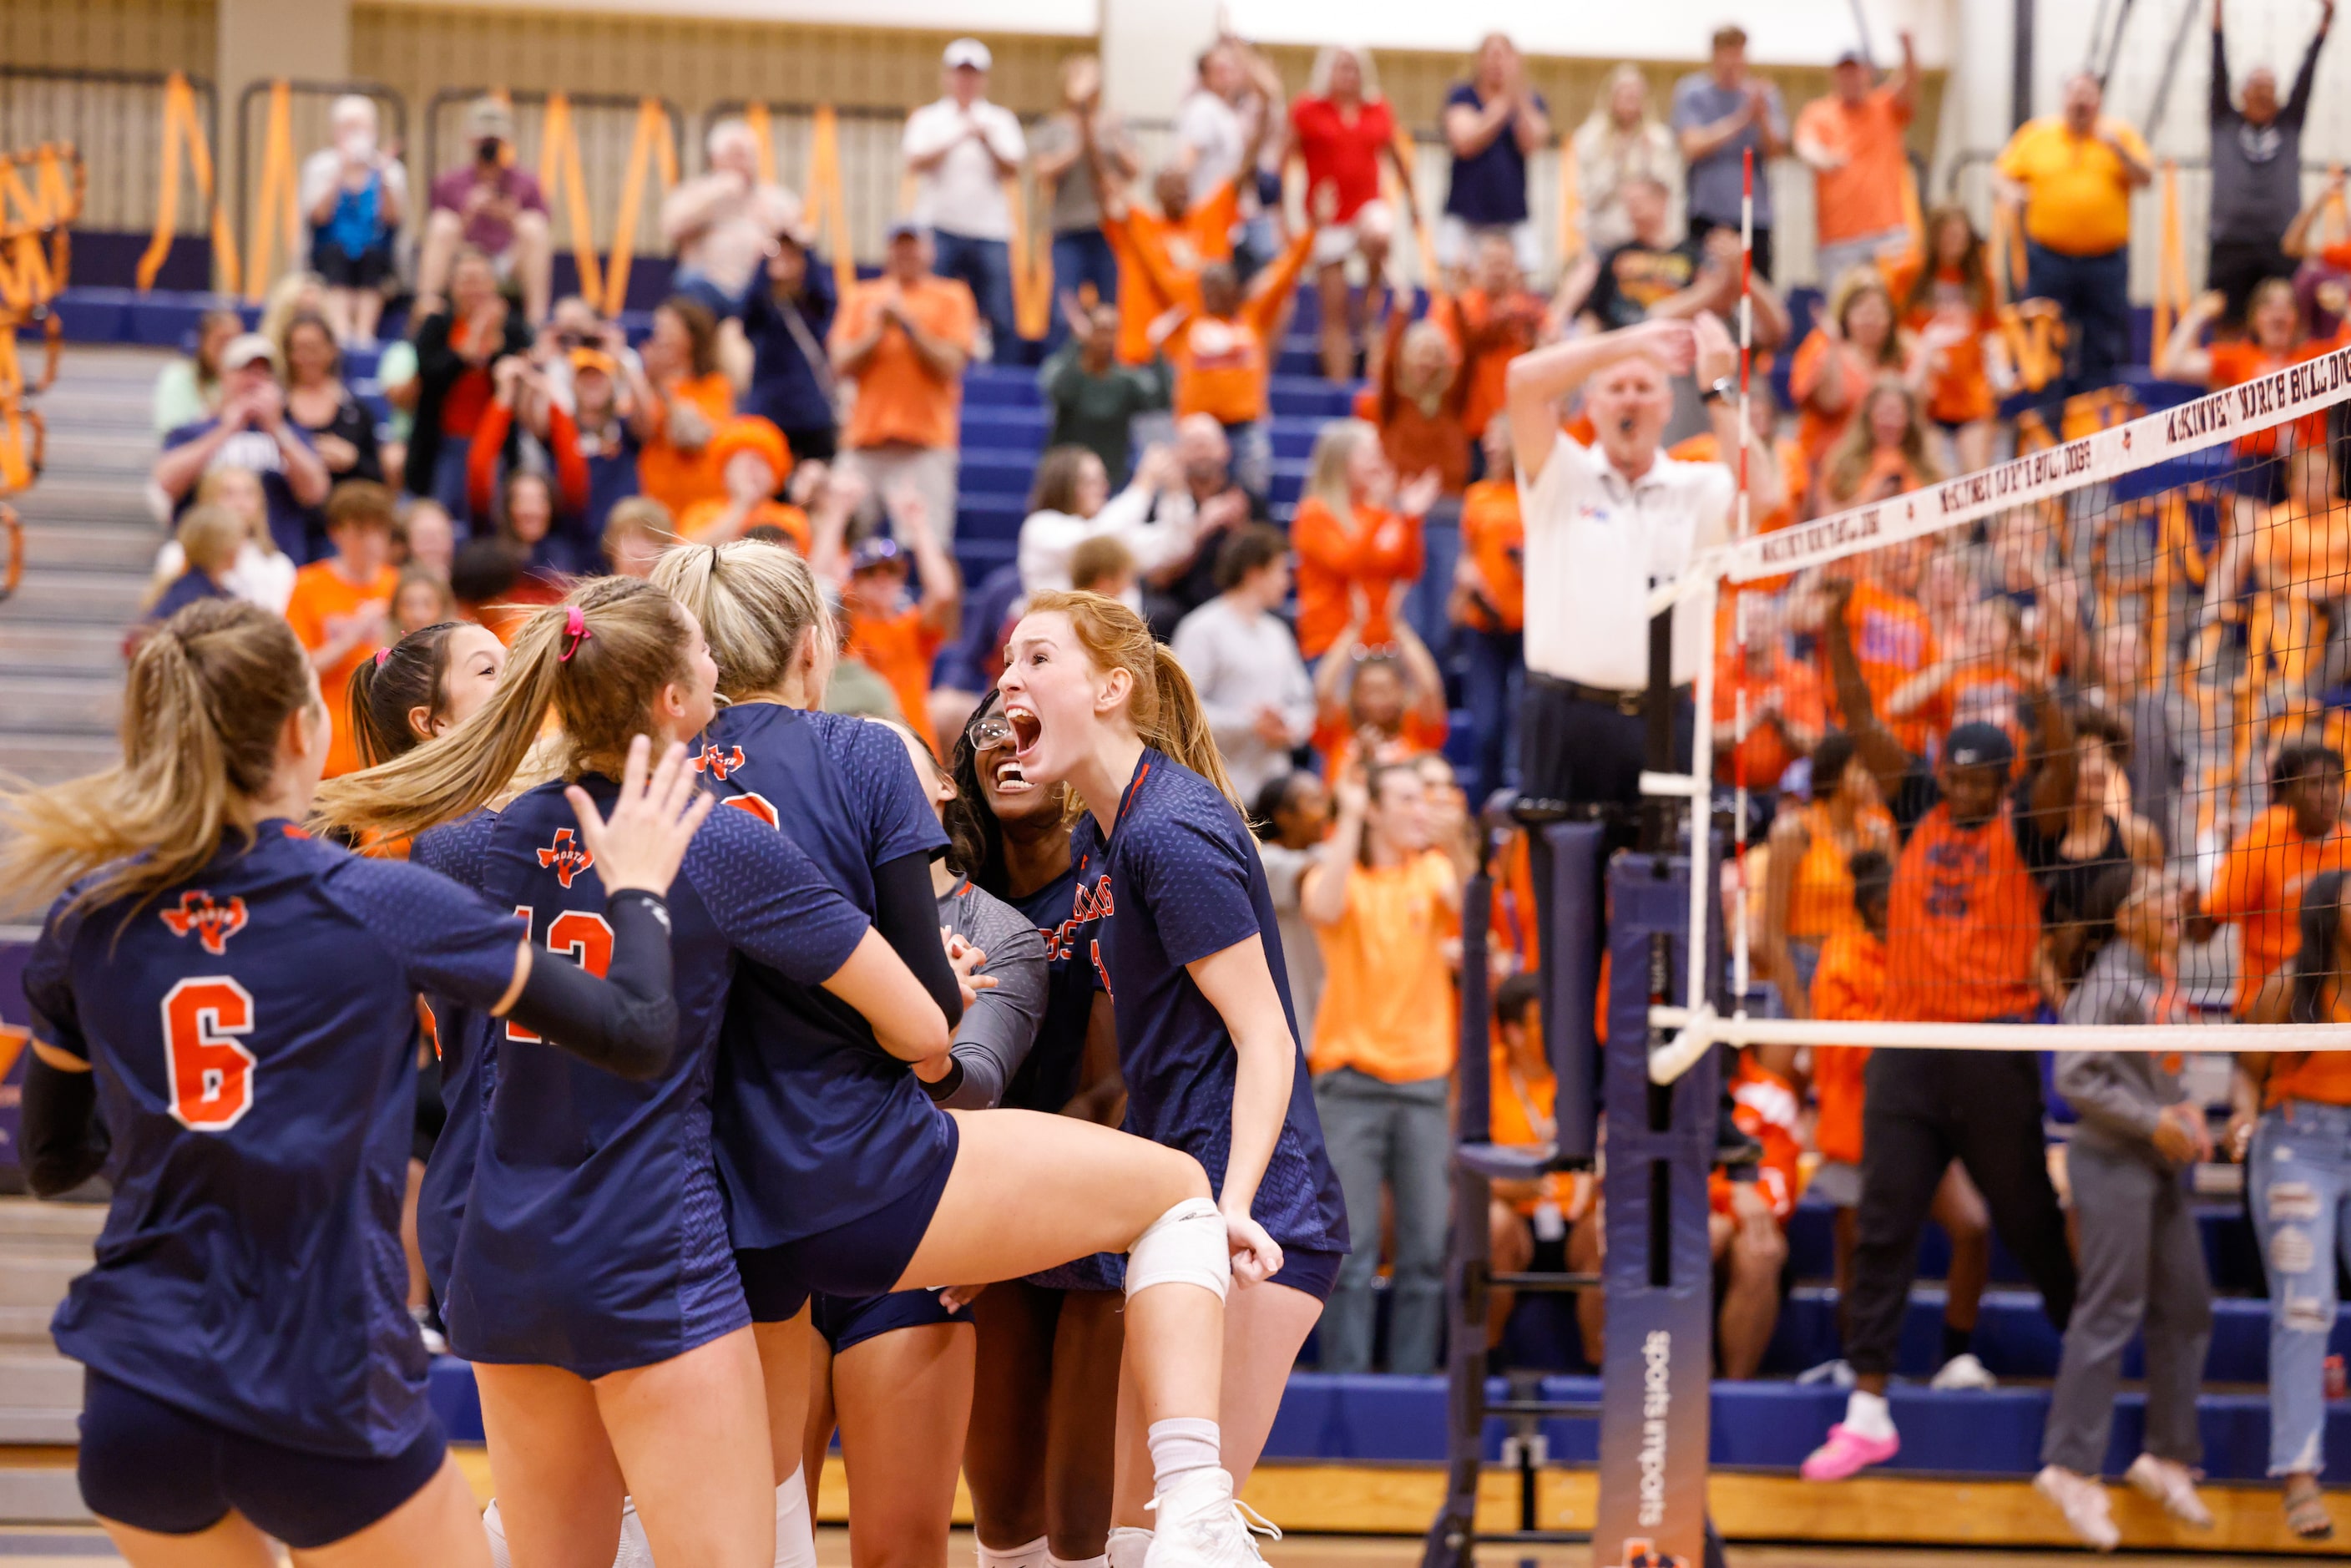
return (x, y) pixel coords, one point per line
(69, 1548)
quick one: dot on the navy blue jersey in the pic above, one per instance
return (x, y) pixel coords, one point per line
(593, 1237)
(252, 1032)
(1180, 880)
(818, 1125)
(468, 1041)
(1050, 1078)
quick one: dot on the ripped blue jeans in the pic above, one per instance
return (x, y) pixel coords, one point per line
(2300, 1175)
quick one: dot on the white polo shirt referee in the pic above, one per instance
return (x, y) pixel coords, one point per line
(1604, 525)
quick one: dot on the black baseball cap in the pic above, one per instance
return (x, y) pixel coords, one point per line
(1979, 746)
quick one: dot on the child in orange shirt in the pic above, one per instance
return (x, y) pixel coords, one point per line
(893, 637)
(1530, 1219)
(753, 459)
(1387, 707)
(1491, 322)
(2275, 338)
(341, 606)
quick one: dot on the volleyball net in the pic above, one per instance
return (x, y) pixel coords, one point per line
(2094, 697)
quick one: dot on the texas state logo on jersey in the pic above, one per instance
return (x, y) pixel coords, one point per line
(719, 764)
(209, 923)
(566, 857)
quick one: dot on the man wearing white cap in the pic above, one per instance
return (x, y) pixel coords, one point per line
(960, 150)
(251, 431)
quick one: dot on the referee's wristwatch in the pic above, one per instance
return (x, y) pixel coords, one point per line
(1723, 390)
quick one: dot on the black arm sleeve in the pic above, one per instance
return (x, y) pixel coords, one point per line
(65, 1143)
(627, 1021)
(907, 913)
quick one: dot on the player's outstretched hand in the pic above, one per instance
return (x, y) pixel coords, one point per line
(1257, 1255)
(643, 842)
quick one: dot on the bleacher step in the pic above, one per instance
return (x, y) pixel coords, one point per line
(88, 703)
(77, 596)
(45, 757)
(91, 546)
(36, 1278)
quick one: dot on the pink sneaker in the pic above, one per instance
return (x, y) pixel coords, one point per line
(1847, 1453)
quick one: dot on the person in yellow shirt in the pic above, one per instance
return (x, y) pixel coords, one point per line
(2072, 175)
(1385, 907)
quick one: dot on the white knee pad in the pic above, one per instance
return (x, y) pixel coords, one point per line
(1053, 1562)
(1128, 1546)
(795, 1528)
(1185, 1246)
(496, 1529)
(1030, 1556)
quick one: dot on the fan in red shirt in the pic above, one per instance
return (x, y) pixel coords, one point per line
(1342, 129)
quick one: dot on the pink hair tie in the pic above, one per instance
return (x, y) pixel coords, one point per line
(380, 655)
(575, 631)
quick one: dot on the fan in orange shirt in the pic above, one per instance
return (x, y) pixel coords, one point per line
(691, 397)
(2276, 339)
(1855, 340)
(1524, 1217)
(897, 640)
(1354, 534)
(1491, 322)
(1418, 400)
(2260, 883)
(753, 459)
(341, 606)
(1786, 707)
(1221, 340)
(1161, 255)
(1953, 313)
(1387, 705)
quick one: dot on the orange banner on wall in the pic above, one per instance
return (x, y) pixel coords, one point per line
(651, 154)
(184, 135)
(560, 170)
(275, 211)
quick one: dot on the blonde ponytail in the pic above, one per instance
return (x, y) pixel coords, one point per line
(757, 602)
(1165, 707)
(206, 698)
(601, 687)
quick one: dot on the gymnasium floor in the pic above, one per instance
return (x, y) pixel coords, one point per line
(27, 1548)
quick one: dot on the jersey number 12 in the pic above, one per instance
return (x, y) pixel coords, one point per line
(582, 937)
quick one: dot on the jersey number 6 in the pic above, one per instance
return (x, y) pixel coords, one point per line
(212, 1074)
(582, 937)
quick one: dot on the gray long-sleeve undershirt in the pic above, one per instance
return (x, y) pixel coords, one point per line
(997, 1030)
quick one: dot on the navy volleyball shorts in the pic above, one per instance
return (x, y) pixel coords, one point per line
(156, 1468)
(865, 1257)
(846, 1322)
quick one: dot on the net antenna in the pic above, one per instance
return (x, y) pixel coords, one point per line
(2103, 480)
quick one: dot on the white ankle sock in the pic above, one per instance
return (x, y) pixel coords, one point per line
(496, 1529)
(1867, 1415)
(1181, 1445)
(1033, 1555)
(795, 1530)
(1053, 1562)
(1128, 1546)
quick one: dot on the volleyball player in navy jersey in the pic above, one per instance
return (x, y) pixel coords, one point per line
(1044, 1429)
(1185, 941)
(592, 1285)
(842, 1177)
(426, 684)
(222, 1012)
(893, 1373)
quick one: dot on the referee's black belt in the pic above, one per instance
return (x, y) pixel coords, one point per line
(1631, 703)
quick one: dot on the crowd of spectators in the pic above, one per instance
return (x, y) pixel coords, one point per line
(1984, 719)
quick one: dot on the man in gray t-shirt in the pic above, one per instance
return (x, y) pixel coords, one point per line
(1719, 113)
(2256, 167)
